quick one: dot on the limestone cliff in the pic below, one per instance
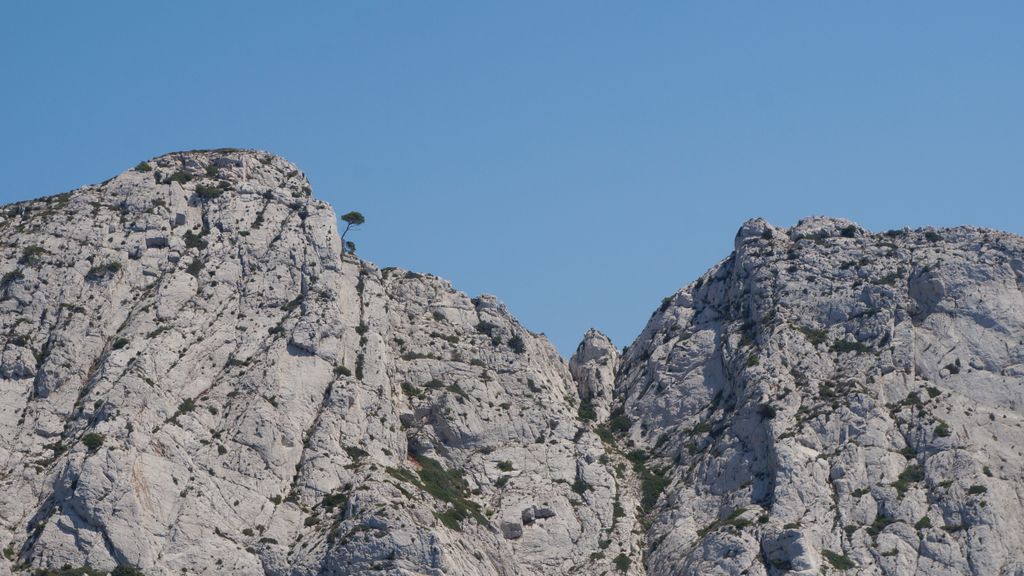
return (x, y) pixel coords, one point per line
(195, 380)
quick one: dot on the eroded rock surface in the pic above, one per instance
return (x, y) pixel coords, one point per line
(593, 367)
(830, 399)
(194, 380)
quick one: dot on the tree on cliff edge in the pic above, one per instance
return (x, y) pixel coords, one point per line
(352, 222)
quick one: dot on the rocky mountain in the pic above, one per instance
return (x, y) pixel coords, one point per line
(195, 380)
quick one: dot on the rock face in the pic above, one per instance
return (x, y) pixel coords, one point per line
(194, 380)
(828, 399)
(593, 367)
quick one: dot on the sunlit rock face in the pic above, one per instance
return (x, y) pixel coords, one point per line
(195, 380)
(830, 399)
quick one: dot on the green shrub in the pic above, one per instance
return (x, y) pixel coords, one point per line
(841, 346)
(411, 391)
(665, 303)
(733, 519)
(652, 484)
(924, 522)
(360, 361)
(180, 177)
(186, 405)
(880, 523)
(586, 412)
(505, 466)
(11, 277)
(449, 486)
(103, 271)
(93, 440)
(622, 562)
(143, 167)
(32, 255)
(942, 430)
(977, 489)
(208, 192)
(910, 474)
(452, 518)
(516, 344)
(193, 240)
(119, 343)
(815, 337)
(356, 453)
(839, 561)
(195, 267)
(618, 422)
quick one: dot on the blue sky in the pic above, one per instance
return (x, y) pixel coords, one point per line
(580, 160)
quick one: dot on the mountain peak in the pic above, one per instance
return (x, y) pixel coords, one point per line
(193, 379)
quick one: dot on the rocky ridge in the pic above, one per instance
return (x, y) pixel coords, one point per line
(195, 380)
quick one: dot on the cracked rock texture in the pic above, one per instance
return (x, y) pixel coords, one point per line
(195, 380)
(827, 399)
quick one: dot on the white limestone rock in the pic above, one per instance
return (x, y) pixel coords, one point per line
(194, 380)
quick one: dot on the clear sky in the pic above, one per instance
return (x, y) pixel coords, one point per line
(580, 160)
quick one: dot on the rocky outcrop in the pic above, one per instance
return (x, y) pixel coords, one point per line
(194, 379)
(593, 368)
(828, 399)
